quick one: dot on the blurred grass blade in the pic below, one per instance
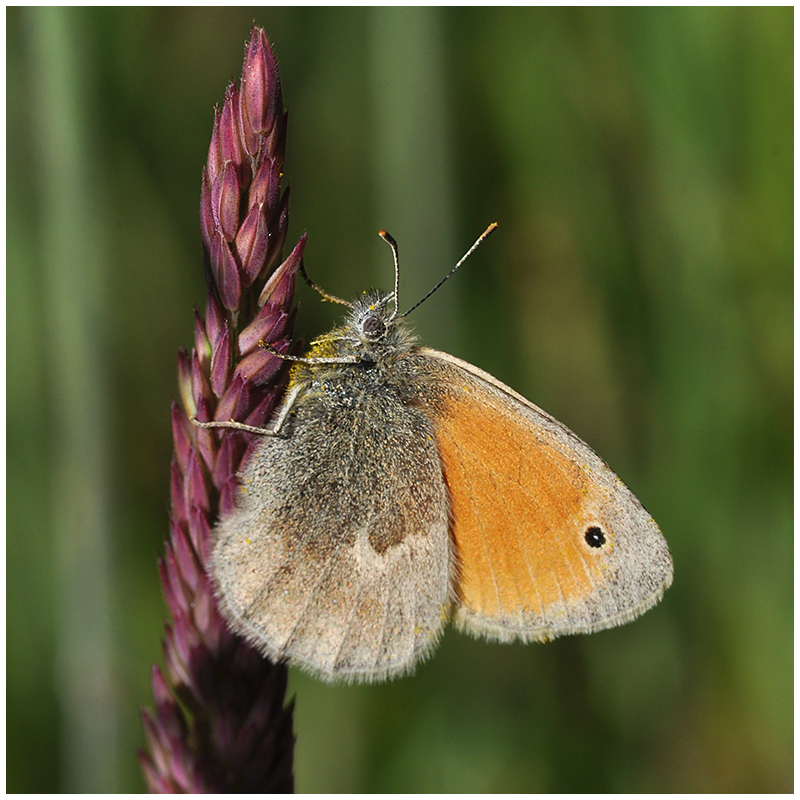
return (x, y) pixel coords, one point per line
(75, 317)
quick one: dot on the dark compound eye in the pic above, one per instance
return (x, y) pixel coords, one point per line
(594, 537)
(373, 324)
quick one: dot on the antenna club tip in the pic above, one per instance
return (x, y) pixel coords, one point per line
(387, 237)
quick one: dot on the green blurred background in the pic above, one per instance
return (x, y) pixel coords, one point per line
(639, 287)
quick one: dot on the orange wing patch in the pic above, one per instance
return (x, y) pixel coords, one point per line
(518, 513)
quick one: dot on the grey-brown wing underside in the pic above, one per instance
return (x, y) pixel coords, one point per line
(337, 557)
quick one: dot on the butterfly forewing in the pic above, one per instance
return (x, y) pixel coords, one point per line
(528, 536)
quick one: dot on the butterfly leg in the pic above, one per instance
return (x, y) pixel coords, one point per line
(286, 407)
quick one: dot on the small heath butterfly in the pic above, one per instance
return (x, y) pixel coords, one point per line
(398, 488)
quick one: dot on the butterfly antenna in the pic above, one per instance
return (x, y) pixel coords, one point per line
(393, 244)
(324, 294)
(469, 252)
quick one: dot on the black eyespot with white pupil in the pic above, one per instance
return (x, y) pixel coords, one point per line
(373, 325)
(594, 536)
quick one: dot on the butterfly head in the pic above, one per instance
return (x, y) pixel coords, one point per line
(374, 324)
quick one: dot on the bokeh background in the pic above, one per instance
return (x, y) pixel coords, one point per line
(639, 287)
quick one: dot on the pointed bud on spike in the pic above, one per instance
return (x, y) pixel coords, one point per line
(166, 584)
(231, 147)
(250, 247)
(228, 281)
(207, 446)
(176, 669)
(185, 382)
(156, 784)
(259, 366)
(202, 345)
(203, 615)
(201, 391)
(280, 286)
(261, 329)
(235, 399)
(221, 363)
(200, 533)
(228, 199)
(278, 228)
(276, 144)
(224, 467)
(204, 414)
(195, 493)
(215, 318)
(215, 257)
(274, 190)
(207, 224)
(173, 589)
(259, 82)
(186, 560)
(181, 435)
(261, 413)
(178, 510)
(161, 693)
(215, 160)
(260, 188)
